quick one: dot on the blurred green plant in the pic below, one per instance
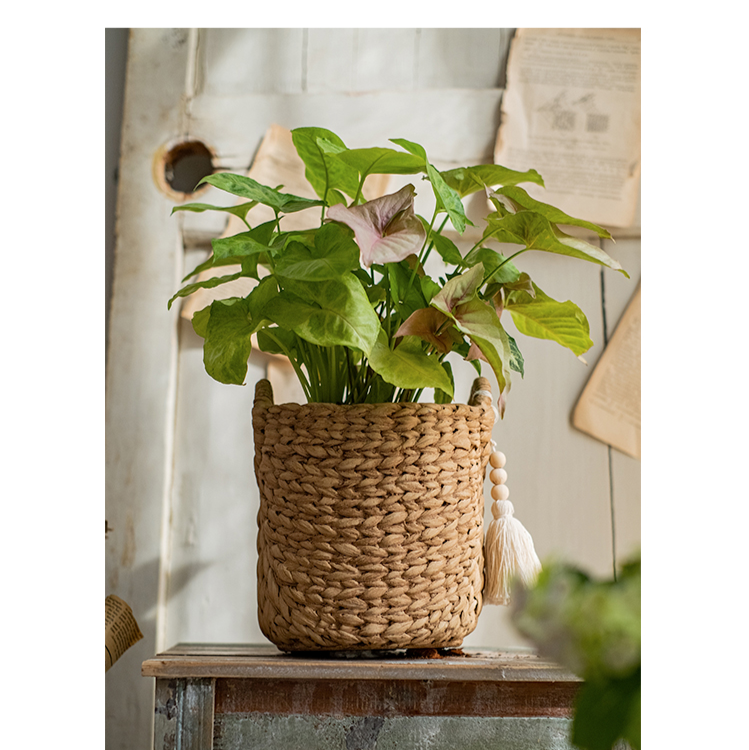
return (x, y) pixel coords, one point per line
(592, 627)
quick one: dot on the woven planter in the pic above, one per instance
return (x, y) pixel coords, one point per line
(370, 530)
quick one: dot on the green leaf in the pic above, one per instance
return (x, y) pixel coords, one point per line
(522, 201)
(459, 289)
(502, 271)
(467, 180)
(412, 148)
(262, 233)
(480, 322)
(449, 199)
(200, 321)
(431, 325)
(517, 363)
(275, 340)
(446, 248)
(544, 318)
(240, 210)
(227, 343)
(536, 232)
(325, 171)
(440, 397)
(376, 160)
(332, 254)
(258, 299)
(604, 711)
(408, 366)
(246, 187)
(405, 291)
(214, 281)
(334, 312)
(241, 245)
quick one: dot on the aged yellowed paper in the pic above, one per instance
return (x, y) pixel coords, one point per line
(609, 406)
(571, 111)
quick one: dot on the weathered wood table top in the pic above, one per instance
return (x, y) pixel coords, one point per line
(267, 662)
(211, 696)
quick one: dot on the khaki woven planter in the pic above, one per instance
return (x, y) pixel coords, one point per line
(370, 530)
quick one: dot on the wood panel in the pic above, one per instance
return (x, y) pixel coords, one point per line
(462, 58)
(243, 61)
(141, 368)
(258, 697)
(625, 470)
(234, 661)
(395, 697)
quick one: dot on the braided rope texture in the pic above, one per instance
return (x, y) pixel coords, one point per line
(370, 529)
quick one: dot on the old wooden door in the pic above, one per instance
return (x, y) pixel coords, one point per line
(181, 499)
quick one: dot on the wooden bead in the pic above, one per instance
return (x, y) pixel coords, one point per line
(498, 476)
(500, 492)
(497, 459)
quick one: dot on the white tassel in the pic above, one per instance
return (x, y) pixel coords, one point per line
(508, 549)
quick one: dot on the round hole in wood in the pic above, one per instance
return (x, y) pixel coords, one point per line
(186, 164)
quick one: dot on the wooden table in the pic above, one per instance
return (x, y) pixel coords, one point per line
(232, 697)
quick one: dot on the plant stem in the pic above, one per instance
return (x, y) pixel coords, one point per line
(506, 260)
(359, 189)
(297, 369)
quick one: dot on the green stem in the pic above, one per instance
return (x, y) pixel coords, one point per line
(297, 369)
(506, 260)
(359, 189)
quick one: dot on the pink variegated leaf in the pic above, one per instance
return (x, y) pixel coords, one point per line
(429, 324)
(386, 229)
(475, 353)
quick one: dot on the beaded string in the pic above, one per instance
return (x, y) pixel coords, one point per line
(508, 546)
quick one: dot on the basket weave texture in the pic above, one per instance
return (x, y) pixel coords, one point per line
(370, 529)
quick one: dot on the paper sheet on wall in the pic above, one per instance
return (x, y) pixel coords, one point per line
(609, 406)
(571, 111)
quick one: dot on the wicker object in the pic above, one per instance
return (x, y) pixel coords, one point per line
(370, 529)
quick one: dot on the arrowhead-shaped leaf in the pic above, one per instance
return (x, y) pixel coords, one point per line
(433, 326)
(459, 289)
(503, 271)
(240, 210)
(214, 281)
(522, 201)
(478, 320)
(262, 233)
(408, 366)
(386, 228)
(332, 254)
(467, 180)
(325, 171)
(334, 312)
(381, 161)
(228, 342)
(241, 245)
(246, 187)
(447, 197)
(536, 232)
(544, 318)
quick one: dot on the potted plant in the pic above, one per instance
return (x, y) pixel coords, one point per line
(371, 514)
